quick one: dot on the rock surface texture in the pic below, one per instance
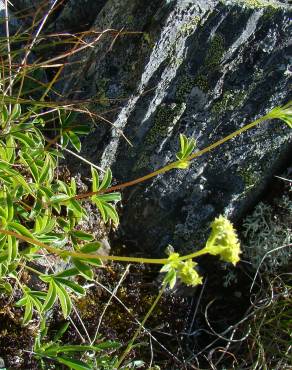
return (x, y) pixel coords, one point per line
(203, 68)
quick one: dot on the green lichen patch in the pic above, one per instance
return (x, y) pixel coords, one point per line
(228, 102)
(187, 28)
(249, 177)
(258, 4)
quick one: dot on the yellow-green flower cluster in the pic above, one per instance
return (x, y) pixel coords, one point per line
(223, 241)
(188, 274)
(184, 270)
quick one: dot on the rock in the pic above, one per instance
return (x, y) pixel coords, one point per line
(29, 11)
(78, 15)
(13, 23)
(202, 68)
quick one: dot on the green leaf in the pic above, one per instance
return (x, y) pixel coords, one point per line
(27, 159)
(82, 129)
(111, 197)
(70, 284)
(59, 198)
(4, 115)
(61, 331)
(182, 165)
(74, 139)
(76, 208)
(20, 229)
(44, 175)
(16, 112)
(67, 273)
(90, 247)
(74, 364)
(51, 296)
(25, 139)
(111, 212)
(10, 209)
(95, 179)
(12, 248)
(5, 287)
(28, 312)
(64, 299)
(83, 269)
(107, 211)
(106, 181)
(186, 148)
(78, 234)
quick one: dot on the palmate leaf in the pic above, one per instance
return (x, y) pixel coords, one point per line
(186, 148)
(30, 163)
(64, 300)
(83, 268)
(9, 175)
(57, 290)
(63, 353)
(51, 296)
(31, 300)
(107, 211)
(102, 201)
(44, 224)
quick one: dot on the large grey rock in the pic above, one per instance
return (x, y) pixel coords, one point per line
(78, 15)
(202, 68)
(69, 15)
(13, 23)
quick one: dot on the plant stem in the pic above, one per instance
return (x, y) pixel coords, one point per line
(137, 332)
(85, 256)
(173, 165)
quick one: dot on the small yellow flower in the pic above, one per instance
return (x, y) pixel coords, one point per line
(223, 241)
(173, 260)
(188, 274)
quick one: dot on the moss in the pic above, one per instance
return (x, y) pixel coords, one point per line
(142, 161)
(211, 63)
(184, 88)
(202, 82)
(165, 118)
(215, 52)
